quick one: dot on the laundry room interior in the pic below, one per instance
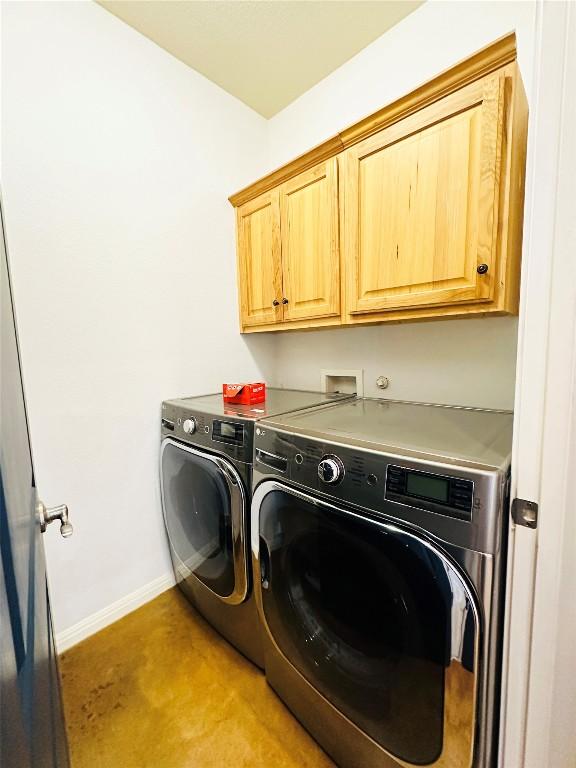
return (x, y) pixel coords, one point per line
(288, 352)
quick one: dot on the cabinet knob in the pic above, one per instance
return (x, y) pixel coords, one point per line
(482, 269)
(275, 303)
(284, 301)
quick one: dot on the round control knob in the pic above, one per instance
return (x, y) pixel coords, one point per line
(189, 426)
(330, 469)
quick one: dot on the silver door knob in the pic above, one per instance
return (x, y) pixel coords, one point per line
(47, 515)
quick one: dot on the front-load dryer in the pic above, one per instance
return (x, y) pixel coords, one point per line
(378, 533)
(205, 479)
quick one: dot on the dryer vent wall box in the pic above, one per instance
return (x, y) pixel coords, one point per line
(346, 382)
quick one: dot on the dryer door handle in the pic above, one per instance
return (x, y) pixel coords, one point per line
(264, 564)
(225, 471)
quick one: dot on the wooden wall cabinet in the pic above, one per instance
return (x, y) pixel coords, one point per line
(426, 197)
(259, 260)
(310, 243)
(419, 200)
(288, 251)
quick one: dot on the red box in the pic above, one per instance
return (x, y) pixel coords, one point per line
(244, 394)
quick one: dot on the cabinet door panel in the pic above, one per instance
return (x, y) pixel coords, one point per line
(310, 243)
(259, 261)
(421, 202)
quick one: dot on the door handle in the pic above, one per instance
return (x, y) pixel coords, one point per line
(226, 472)
(47, 515)
(264, 557)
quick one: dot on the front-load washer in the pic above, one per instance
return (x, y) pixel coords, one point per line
(378, 533)
(205, 479)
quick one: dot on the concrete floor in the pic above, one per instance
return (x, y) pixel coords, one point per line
(160, 688)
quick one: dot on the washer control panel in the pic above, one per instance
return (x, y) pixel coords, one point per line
(442, 494)
(457, 503)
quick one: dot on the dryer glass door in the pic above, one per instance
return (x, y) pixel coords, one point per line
(203, 502)
(375, 618)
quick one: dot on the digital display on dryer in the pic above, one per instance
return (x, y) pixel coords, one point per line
(227, 432)
(428, 487)
(448, 495)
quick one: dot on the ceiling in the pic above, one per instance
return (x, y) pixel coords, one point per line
(264, 52)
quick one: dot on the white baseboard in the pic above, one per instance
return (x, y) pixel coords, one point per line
(97, 621)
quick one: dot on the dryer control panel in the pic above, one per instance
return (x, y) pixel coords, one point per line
(230, 437)
(442, 494)
(460, 504)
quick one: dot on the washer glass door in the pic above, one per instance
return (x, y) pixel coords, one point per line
(375, 618)
(203, 502)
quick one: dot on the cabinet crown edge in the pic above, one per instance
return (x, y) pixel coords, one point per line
(488, 59)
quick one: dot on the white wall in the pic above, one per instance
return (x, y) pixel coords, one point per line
(117, 163)
(458, 362)
(469, 362)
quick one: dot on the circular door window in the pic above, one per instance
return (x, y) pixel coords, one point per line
(198, 516)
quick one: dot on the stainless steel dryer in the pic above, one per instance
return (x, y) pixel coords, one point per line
(378, 533)
(205, 477)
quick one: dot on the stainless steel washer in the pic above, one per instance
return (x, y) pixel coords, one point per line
(378, 535)
(205, 478)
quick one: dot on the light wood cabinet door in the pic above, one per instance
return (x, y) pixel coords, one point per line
(310, 243)
(421, 205)
(259, 260)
